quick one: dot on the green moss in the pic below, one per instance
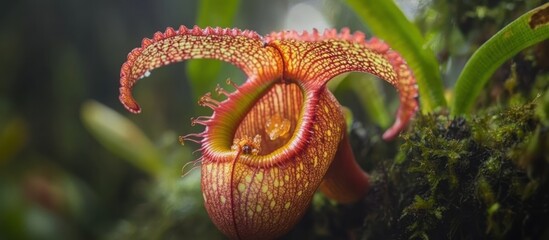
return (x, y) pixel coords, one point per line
(484, 177)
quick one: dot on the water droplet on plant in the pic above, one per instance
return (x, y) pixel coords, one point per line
(146, 74)
(277, 126)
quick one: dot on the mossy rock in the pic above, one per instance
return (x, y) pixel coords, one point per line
(457, 178)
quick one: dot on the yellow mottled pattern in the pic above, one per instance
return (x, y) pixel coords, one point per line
(267, 202)
(217, 196)
(247, 54)
(268, 146)
(322, 60)
(316, 62)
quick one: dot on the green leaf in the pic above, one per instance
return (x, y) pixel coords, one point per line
(349, 117)
(13, 137)
(386, 20)
(525, 31)
(369, 92)
(121, 136)
(204, 73)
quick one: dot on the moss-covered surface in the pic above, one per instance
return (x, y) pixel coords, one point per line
(457, 178)
(452, 178)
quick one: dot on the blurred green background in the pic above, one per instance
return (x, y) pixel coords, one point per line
(75, 165)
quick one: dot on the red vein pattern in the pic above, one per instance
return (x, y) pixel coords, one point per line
(257, 183)
(217, 43)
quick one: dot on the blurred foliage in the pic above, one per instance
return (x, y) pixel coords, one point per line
(122, 137)
(202, 74)
(389, 23)
(71, 168)
(369, 92)
(13, 137)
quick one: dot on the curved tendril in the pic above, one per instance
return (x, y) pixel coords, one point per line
(245, 49)
(250, 187)
(316, 58)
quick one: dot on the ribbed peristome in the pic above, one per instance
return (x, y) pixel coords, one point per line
(256, 187)
(257, 196)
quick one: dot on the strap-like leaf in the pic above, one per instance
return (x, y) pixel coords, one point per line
(527, 30)
(122, 137)
(389, 23)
